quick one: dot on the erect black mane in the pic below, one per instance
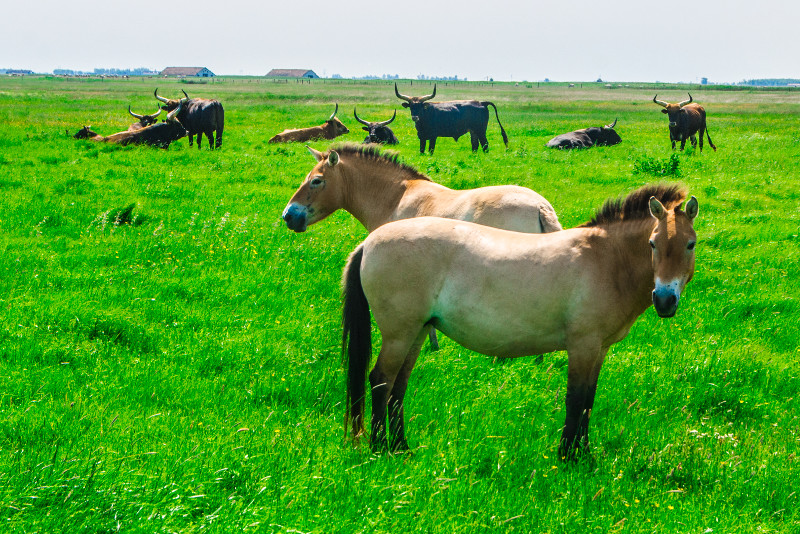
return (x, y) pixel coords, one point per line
(374, 153)
(637, 204)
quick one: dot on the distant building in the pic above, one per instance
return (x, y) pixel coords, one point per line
(180, 72)
(291, 73)
(18, 72)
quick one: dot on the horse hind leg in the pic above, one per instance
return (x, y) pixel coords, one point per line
(397, 430)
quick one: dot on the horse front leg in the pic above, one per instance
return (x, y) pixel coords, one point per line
(582, 376)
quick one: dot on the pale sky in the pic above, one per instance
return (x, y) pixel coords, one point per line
(563, 40)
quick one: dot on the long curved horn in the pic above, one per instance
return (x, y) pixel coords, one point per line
(660, 102)
(184, 94)
(161, 98)
(362, 121)
(334, 112)
(172, 115)
(426, 98)
(612, 124)
(681, 104)
(400, 96)
(140, 117)
(156, 114)
(387, 123)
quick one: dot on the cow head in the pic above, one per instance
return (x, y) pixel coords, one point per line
(605, 136)
(334, 126)
(146, 120)
(378, 132)
(170, 103)
(415, 103)
(674, 111)
(85, 133)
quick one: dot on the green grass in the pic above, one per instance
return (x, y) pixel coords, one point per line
(181, 373)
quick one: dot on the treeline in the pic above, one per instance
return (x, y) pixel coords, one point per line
(771, 82)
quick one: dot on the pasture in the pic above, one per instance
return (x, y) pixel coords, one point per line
(170, 351)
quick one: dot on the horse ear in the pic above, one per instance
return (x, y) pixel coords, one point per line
(319, 156)
(692, 208)
(656, 208)
(333, 158)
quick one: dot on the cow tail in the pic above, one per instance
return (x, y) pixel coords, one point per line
(356, 341)
(502, 130)
(709, 139)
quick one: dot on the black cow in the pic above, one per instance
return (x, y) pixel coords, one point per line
(450, 119)
(199, 116)
(144, 120)
(159, 135)
(588, 137)
(686, 120)
(378, 132)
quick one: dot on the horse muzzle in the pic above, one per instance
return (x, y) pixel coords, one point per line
(666, 298)
(296, 217)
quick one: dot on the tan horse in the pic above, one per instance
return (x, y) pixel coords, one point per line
(376, 189)
(510, 294)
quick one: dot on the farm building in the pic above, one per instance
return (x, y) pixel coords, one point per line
(180, 72)
(291, 73)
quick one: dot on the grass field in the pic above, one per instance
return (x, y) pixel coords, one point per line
(178, 369)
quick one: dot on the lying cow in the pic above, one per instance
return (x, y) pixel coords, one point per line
(144, 120)
(330, 129)
(378, 132)
(685, 120)
(159, 135)
(588, 137)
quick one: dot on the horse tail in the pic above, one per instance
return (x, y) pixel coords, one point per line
(548, 219)
(356, 341)
(502, 130)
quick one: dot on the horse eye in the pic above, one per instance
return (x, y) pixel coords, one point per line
(652, 244)
(316, 182)
(690, 246)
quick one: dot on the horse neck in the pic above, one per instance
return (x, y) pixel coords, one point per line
(631, 263)
(372, 191)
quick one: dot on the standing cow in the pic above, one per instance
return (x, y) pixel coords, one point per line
(378, 132)
(450, 119)
(587, 137)
(330, 129)
(685, 120)
(199, 116)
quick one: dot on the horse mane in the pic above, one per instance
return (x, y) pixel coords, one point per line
(374, 153)
(636, 206)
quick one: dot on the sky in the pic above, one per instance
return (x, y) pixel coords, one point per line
(515, 40)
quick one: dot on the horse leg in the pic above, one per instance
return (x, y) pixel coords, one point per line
(433, 339)
(583, 371)
(382, 378)
(397, 429)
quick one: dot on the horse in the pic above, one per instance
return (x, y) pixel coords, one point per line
(375, 188)
(508, 294)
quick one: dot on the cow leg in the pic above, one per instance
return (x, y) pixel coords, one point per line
(199, 138)
(219, 137)
(683, 143)
(431, 145)
(210, 137)
(693, 139)
(422, 145)
(700, 135)
(484, 142)
(473, 138)
(191, 139)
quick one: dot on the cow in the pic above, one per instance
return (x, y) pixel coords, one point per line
(449, 119)
(588, 137)
(378, 132)
(144, 120)
(159, 135)
(199, 116)
(686, 120)
(330, 129)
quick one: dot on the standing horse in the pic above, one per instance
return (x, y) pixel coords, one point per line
(376, 189)
(509, 294)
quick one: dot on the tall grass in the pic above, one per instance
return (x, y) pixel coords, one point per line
(169, 351)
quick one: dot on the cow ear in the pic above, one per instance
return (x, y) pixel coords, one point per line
(333, 158)
(664, 111)
(404, 104)
(365, 128)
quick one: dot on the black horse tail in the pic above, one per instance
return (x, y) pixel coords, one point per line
(356, 341)
(502, 130)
